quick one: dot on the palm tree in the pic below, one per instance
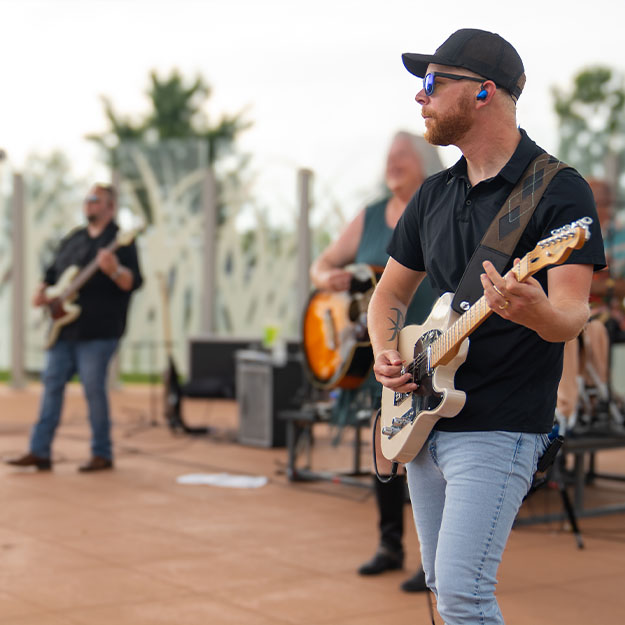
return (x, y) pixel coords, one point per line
(176, 114)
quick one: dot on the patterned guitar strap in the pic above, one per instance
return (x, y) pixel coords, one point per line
(503, 234)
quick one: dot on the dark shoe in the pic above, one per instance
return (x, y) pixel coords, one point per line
(416, 583)
(30, 460)
(382, 561)
(97, 463)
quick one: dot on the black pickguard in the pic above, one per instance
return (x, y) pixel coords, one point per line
(425, 397)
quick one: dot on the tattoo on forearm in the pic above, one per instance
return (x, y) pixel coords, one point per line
(396, 324)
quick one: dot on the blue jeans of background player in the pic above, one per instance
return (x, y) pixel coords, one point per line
(466, 489)
(90, 359)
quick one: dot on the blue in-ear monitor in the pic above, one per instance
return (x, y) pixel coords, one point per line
(482, 95)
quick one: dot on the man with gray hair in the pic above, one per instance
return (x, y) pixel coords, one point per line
(364, 240)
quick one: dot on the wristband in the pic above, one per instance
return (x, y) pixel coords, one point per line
(116, 273)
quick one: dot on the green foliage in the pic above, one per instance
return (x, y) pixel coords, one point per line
(177, 112)
(175, 105)
(140, 378)
(592, 121)
(125, 378)
(53, 196)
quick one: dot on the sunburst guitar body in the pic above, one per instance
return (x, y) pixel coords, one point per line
(336, 342)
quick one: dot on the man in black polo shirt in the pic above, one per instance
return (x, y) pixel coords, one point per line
(469, 479)
(86, 345)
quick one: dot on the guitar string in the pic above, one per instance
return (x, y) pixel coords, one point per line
(443, 337)
(416, 362)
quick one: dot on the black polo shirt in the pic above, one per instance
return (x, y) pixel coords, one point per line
(510, 375)
(104, 305)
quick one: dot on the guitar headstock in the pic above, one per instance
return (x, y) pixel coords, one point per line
(556, 249)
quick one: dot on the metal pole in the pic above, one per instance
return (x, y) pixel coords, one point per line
(114, 376)
(304, 189)
(209, 205)
(18, 378)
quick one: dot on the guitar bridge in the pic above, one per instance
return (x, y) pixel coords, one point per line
(398, 423)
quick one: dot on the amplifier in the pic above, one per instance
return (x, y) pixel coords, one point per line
(263, 389)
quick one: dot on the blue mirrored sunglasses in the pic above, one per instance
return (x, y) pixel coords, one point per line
(429, 80)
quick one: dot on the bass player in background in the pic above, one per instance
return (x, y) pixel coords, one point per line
(410, 160)
(86, 345)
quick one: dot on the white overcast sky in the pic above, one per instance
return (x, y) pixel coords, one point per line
(322, 80)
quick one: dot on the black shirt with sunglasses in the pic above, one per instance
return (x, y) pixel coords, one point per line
(104, 305)
(511, 374)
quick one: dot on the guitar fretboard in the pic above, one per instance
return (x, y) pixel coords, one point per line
(446, 346)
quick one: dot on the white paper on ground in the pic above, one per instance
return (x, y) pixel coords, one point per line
(224, 480)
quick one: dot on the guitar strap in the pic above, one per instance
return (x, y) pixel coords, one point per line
(503, 234)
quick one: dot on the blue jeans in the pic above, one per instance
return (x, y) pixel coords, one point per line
(90, 359)
(466, 489)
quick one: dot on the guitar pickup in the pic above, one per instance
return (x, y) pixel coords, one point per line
(399, 398)
(329, 330)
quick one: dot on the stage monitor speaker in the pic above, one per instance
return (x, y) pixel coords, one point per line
(263, 390)
(212, 364)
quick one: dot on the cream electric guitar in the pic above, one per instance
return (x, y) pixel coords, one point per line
(434, 351)
(62, 310)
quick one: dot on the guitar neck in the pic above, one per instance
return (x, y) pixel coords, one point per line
(447, 344)
(86, 273)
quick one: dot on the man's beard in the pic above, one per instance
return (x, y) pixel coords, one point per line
(92, 218)
(450, 127)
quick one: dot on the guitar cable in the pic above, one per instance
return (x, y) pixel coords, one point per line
(394, 466)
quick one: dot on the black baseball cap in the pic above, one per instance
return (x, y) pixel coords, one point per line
(479, 51)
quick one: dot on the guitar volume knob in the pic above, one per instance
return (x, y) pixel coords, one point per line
(390, 430)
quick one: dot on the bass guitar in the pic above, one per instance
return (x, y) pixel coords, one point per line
(336, 342)
(61, 308)
(434, 350)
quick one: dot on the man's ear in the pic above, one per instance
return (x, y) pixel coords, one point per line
(486, 92)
